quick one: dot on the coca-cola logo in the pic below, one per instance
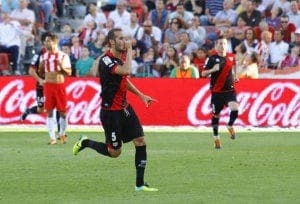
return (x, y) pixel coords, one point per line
(277, 104)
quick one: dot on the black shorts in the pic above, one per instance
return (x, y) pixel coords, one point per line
(120, 126)
(40, 99)
(219, 100)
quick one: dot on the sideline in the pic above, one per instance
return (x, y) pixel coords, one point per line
(95, 128)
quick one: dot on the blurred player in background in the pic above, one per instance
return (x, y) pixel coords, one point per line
(119, 120)
(56, 66)
(220, 67)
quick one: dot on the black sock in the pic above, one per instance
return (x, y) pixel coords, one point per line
(57, 121)
(100, 147)
(233, 117)
(215, 125)
(140, 164)
(32, 110)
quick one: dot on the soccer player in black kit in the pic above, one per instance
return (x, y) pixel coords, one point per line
(220, 67)
(120, 123)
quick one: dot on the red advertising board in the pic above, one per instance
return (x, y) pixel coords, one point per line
(263, 102)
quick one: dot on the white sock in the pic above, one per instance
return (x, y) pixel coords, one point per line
(216, 137)
(63, 126)
(51, 128)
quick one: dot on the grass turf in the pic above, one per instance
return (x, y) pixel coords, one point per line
(258, 167)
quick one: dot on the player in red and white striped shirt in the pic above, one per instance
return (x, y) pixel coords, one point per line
(56, 65)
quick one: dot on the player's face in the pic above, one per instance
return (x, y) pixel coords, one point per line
(221, 46)
(120, 42)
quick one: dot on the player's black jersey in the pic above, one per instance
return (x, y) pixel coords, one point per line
(222, 80)
(35, 64)
(114, 86)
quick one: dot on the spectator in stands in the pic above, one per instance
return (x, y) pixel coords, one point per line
(227, 16)
(66, 37)
(109, 6)
(151, 65)
(278, 49)
(196, 32)
(263, 48)
(94, 15)
(8, 6)
(45, 7)
(263, 26)
(159, 16)
(26, 18)
(76, 47)
(212, 7)
(240, 57)
(149, 34)
(232, 42)
(292, 59)
(240, 29)
(251, 16)
(134, 25)
(185, 69)
(120, 15)
(170, 61)
(240, 7)
(185, 46)
(199, 58)
(296, 40)
(88, 33)
(10, 31)
(294, 14)
(250, 42)
(182, 14)
(171, 5)
(274, 19)
(172, 33)
(97, 47)
(287, 27)
(110, 24)
(251, 69)
(140, 49)
(66, 48)
(283, 4)
(84, 63)
(137, 6)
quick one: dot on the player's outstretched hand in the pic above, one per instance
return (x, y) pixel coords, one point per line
(148, 100)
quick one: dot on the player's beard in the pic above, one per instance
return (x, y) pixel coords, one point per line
(120, 47)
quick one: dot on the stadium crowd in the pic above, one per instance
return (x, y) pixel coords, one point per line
(171, 38)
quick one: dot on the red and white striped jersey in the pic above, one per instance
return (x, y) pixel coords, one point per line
(51, 61)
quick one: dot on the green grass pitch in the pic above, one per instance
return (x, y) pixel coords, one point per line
(257, 167)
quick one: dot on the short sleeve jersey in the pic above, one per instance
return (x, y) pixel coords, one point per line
(114, 86)
(222, 80)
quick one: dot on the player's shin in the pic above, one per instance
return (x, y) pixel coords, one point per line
(215, 125)
(233, 116)
(51, 128)
(63, 126)
(140, 164)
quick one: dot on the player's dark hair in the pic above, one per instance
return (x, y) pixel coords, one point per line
(52, 36)
(111, 35)
(44, 35)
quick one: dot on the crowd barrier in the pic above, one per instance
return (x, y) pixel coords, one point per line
(181, 102)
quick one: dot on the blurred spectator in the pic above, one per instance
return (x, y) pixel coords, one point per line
(120, 15)
(66, 37)
(159, 16)
(292, 59)
(134, 25)
(150, 35)
(278, 49)
(240, 7)
(283, 4)
(76, 47)
(294, 14)
(240, 57)
(67, 50)
(199, 58)
(110, 5)
(84, 63)
(172, 33)
(10, 31)
(240, 29)
(263, 48)
(196, 32)
(227, 16)
(274, 19)
(263, 26)
(185, 69)
(88, 33)
(137, 6)
(198, 8)
(45, 7)
(251, 16)
(110, 24)
(232, 42)
(287, 27)
(251, 68)
(251, 42)
(8, 6)
(170, 61)
(296, 40)
(97, 47)
(213, 7)
(171, 5)
(151, 65)
(94, 15)
(185, 46)
(140, 49)
(182, 14)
